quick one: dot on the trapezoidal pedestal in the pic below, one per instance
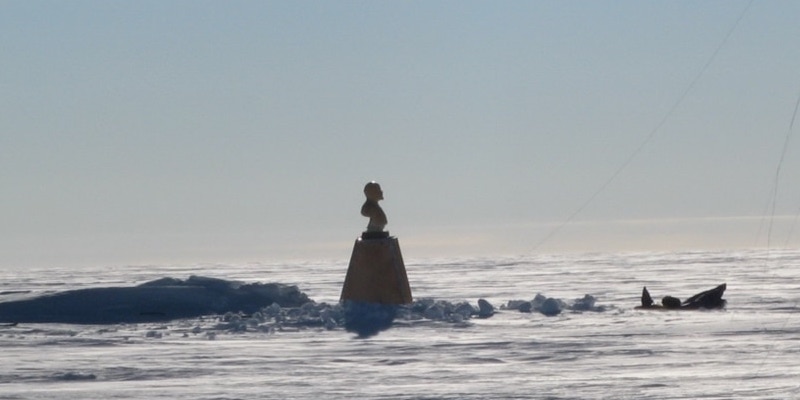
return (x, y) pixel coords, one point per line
(376, 273)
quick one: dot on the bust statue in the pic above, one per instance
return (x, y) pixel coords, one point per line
(371, 209)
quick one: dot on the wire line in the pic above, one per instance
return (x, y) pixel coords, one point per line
(650, 136)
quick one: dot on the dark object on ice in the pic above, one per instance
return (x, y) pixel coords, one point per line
(551, 307)
(526, 307)
(485, 309)
(671, 302)
(160, 300)
(368, 319)
(710, 299)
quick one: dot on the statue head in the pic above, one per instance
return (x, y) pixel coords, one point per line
(371, 209)
(373, 191)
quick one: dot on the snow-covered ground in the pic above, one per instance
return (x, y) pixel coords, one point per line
(434, 349)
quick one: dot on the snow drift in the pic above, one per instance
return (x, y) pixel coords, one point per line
(160, 300)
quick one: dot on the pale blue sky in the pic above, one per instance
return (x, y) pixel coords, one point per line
(205, 131)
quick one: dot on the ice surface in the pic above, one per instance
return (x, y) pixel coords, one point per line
(439, 347)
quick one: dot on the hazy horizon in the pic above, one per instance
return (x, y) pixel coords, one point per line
(148, 132)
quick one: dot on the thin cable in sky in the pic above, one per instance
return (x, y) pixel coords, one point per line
(778, 172)
(650, 136)
(772, 217)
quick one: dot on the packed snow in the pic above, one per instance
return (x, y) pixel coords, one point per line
(546, 326)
